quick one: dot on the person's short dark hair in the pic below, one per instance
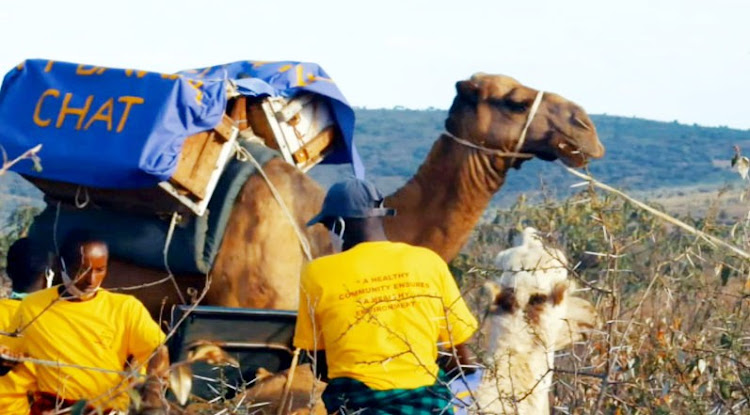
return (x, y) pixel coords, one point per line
(70, 251)
(26, 264)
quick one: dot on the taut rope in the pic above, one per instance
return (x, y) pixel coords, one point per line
(521, 138)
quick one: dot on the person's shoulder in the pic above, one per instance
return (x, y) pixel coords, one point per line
(314, 267)
(420, 252)
(41, 295)
(8, 305)
(37, 300)
(326, 261)
(120, 299)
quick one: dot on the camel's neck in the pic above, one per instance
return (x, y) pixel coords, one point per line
(517, 383)
(440, 205)
(519, 369)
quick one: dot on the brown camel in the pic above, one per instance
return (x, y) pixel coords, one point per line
(260, 258)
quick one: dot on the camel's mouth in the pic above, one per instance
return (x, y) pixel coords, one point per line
(575, 151)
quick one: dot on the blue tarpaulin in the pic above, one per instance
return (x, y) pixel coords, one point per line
(121, 128)
(286, 79)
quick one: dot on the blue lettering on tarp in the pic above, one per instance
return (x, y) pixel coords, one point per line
(124, 128)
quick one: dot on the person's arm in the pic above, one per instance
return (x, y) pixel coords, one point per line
(307, 333)
(460, 324)
(319, 364)
(11, 347)
(8, 359)
(460, 356)
(157, 377)
(147, 347)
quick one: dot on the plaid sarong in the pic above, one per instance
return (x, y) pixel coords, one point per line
(349, 396)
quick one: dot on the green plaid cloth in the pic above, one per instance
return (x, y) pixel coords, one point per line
(350, 396)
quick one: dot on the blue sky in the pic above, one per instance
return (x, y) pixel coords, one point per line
(661, 59)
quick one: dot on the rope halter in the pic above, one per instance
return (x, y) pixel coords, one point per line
(521, 139)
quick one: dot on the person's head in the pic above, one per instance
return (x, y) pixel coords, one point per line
(353, 211)
(27, 266)
(84, 263)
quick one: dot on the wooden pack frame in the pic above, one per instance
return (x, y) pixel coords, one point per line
(201, 163)
(188, 191)
(302, 129)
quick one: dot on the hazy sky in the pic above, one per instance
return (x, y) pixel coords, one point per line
(670, 60)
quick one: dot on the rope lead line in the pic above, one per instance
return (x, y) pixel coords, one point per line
(243, 154)
(176, 217)
(659, 214)
(521, 138)
(529, 119)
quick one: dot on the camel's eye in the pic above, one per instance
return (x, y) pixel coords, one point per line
(537, 299)
(508, 104)
(516, 106)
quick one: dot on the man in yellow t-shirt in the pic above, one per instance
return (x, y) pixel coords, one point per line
(26, 268)
(378, 310)
(79, 324)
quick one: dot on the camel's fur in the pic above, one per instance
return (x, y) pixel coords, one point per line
(532, 314)
(260, 258)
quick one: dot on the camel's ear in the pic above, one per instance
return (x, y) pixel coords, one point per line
(487, 294)
(499, 299)
(558, 293)
(468, 91)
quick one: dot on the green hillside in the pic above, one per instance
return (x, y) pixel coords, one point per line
(641, 155)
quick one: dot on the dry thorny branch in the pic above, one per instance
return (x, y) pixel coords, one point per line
(30, 154)
(674, 334)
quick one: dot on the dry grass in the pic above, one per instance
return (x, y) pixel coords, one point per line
(673, 337)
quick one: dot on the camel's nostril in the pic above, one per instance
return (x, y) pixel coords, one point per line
(598, 152)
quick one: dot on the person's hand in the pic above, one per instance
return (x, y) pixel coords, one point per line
(7, 354)
(8, 359)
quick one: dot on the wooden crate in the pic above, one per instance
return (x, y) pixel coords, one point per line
(303, 129)
(200, 158)
(188, 191)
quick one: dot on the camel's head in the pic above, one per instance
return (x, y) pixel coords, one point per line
(552, 318)
(534, 297)
(492, 110)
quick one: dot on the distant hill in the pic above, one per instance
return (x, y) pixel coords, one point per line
(641, 155)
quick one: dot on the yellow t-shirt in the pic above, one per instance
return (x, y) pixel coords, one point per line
(16, 383)
(379, 310)
(100, 333)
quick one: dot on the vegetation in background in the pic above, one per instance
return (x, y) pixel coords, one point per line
(640, 154)
(673, 335)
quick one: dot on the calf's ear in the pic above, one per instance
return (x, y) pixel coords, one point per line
(558, 292)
